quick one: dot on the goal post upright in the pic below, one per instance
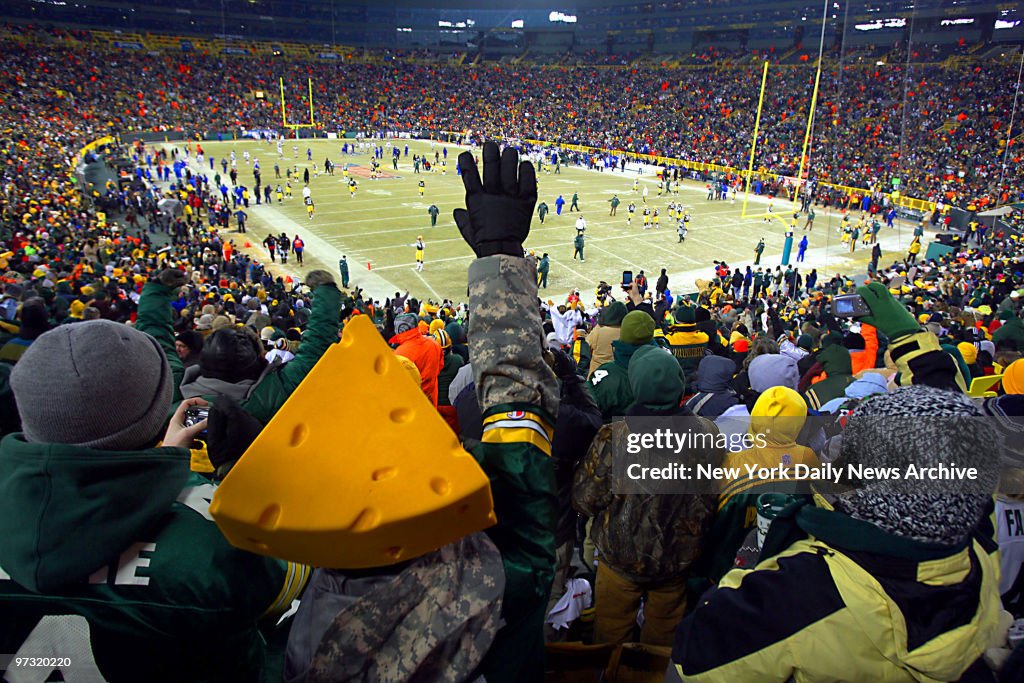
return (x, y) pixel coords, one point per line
(284, 112)
(284, 115)
(312, 121)
(753, 144)
(807, 135)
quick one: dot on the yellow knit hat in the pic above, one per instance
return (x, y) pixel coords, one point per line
(968, 351)
(1013, 378)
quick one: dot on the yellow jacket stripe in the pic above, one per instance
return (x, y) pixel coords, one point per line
(527, 418)
(294, 582)
(522, 434)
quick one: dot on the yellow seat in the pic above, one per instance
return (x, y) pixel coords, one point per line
(980, 386)
(356, 470)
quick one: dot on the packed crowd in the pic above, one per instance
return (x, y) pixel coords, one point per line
(941, 137)
(111, 340)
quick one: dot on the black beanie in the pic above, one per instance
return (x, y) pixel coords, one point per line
(231, 355)
(35, 319)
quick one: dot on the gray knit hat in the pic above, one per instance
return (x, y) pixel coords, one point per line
(406, 322)
(97, 384)
(926, 427)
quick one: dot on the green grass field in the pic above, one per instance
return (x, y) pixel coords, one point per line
(380, 224)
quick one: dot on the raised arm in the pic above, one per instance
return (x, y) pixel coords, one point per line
(155, 318)
(915, 350)
(321, 331)
(518, 396)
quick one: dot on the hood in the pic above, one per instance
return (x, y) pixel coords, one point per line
(613, 314)
(402, 337)
(772, 370)
(869, 384)
(50, 494)
(623, 352)
(779, 415)
(835, 358)
(456, 332)
(193, 384)
(714, 374)
(656, 379)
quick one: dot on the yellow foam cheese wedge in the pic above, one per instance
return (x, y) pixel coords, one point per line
(356, 470)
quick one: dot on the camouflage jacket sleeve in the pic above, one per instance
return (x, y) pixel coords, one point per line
(506, 337)
(518, 396)
(591, 488)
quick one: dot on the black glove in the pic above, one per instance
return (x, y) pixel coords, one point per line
(229, 431)
(498, 211)
(564, 365)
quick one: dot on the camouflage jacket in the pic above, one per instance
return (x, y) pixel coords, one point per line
(645, 537)
(465, 609)
(432, 621)
(518, 396)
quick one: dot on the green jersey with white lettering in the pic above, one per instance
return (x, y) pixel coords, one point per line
(111, 564)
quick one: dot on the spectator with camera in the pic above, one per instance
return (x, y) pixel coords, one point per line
(107, 546)
(232, 362)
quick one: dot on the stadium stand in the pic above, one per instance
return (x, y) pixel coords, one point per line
(162, 391)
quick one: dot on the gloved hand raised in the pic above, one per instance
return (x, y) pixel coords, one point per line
(498, 211)
(887, 314)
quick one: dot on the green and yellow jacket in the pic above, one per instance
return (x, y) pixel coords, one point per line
(843, 600)
(835, 359)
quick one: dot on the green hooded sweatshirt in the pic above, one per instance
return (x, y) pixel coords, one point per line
(609, 385)
(114, 554)
(1011, 329)
(835, 359)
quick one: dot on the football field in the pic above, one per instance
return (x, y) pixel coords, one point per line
(378, 226)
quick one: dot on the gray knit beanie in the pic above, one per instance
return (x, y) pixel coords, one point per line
(406, 322)
(96, 384)
(926, 427)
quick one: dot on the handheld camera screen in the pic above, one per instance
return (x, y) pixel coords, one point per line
(850, 306)
(627, 278)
